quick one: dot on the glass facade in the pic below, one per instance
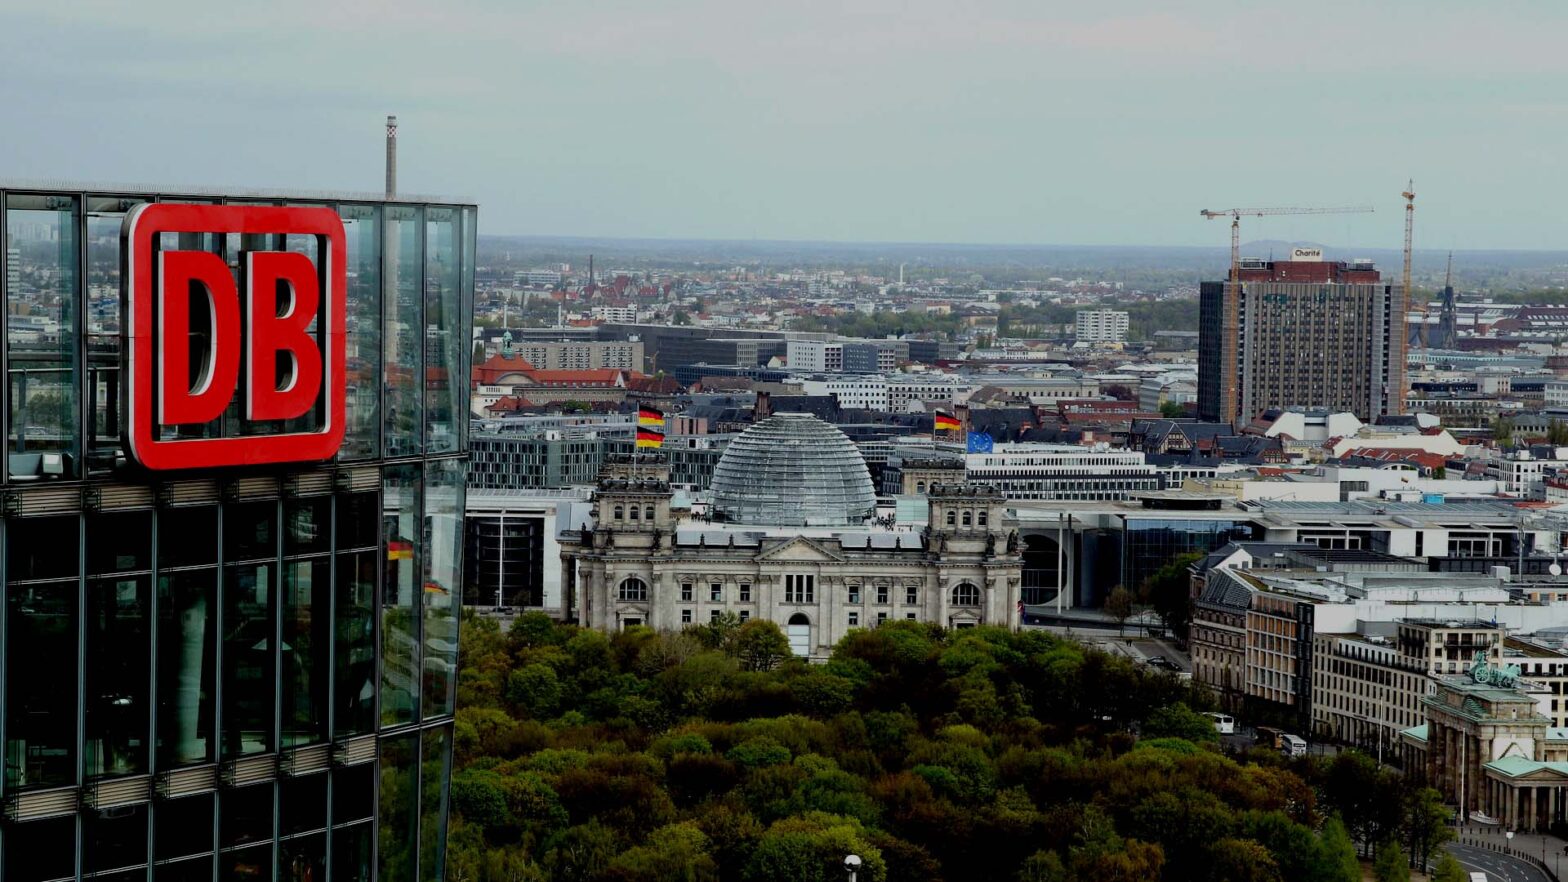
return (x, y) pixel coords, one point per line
(244, 674)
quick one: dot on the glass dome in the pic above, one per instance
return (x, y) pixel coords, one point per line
(792, 470)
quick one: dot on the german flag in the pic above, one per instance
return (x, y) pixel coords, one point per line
(650, 416)
(946, 422)
(438, 588)
(649, 438)
(400, 549)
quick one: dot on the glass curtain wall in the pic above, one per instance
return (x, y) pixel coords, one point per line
(42, 282)
(402, 354)
(400, 594)
(102, 319)
(43, 606)
(362, 355)
(119, 643)
(443, 331)
(442, 547)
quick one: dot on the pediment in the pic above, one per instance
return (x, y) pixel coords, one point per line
(800, 550)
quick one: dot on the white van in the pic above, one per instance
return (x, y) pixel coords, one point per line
(1292, 745)
(1477, 877)
(1223, 723)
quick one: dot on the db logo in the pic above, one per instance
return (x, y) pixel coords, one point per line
(196, 339)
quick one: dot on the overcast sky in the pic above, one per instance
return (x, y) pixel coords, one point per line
(1031, 122)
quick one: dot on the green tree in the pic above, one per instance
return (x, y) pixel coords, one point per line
(1448, 869)
(676, 853)
(1391, 864)
(1180, 721)
(760, 645)
(1242, 860)
(535, 690)
(1339, 853)
(1557, 433)
(1426, 822)
(1168, 591)
(811, 848)
(1173, 410)
(1503, 431)
(1043, 866)
(1118, 605)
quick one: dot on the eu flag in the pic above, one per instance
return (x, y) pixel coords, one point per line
(979, 442)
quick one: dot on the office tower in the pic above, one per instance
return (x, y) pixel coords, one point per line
(1306, 332)
(245, 670)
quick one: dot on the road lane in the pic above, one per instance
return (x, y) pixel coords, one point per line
(1497, 867)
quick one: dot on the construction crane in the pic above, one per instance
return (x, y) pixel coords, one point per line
(1231, 321)
(1410, 224)
(1236, 214)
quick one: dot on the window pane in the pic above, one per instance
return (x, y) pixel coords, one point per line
(104, 216)
(40, 748)
(248, 694)
(303, 859)
(443, 331)
(362, 349)
(245, 815)
(353, 793)
(304, 803)
(466, 315)
(252, 864)
(119, 650)
(48, 850)
(432, 806)
(115, 838)
(399, 614)
(351, 853)
(187, 536)
(41, 548)
(357, 514)
(183, 827)
(250, 531)
(187, 640)
(306, 589)
(400, 344)
(119, 542)
(307, 525)
(355, 644)
(442, 571)
(192, 870)
(43, 281)
(399, 811)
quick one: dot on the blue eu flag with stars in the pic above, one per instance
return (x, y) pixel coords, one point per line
(979, 442)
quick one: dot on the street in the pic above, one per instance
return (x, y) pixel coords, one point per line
(1497, 867)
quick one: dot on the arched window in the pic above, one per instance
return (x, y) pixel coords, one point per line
(952, 518)
(965, 594)
(920, 486)
(980, 518)
(634, 512)
(619, 512)
(648, 513)
(966, 518)
(634, 589)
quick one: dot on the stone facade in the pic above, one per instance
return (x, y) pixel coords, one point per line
(640, 565)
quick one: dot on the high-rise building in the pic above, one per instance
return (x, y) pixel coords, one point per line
(1301, 333)
(245, 669)
(1102, 325)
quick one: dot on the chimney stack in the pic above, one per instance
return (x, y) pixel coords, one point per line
(391, 157)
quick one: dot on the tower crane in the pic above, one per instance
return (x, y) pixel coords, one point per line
(1231, 321)
(1236, 214)
(1410, 223)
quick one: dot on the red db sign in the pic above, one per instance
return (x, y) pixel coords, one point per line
(198, 341)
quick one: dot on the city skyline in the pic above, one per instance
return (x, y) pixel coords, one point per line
(885, 123)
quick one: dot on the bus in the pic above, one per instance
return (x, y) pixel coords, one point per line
(1223, 723)
(1292, 745)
